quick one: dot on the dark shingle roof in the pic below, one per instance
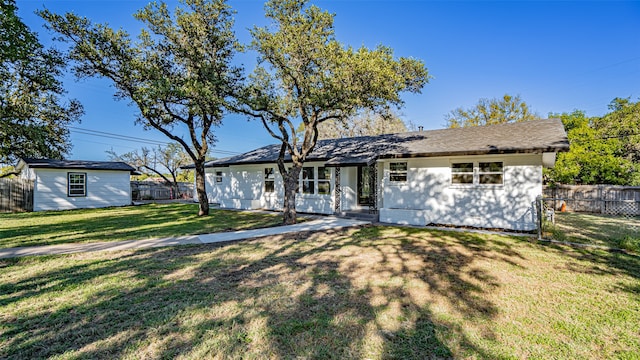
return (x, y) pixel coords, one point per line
(525, 137)
(77, 164)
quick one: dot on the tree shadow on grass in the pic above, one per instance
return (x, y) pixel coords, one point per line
(129, 223)
(369, 293)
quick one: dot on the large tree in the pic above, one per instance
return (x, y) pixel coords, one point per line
(623, 123)
(34, 118)
(178, 73)
(595, 156)
(306, 75)
(507, 109)
(157, 161)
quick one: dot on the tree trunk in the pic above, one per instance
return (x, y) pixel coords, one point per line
(201, 189)
(290, 189)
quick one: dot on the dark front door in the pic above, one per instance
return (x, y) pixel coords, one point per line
(364, 185)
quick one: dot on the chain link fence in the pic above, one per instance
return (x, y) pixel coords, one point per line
(147, 190)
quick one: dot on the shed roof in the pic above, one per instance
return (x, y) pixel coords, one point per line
(77, 164)
(536, 136)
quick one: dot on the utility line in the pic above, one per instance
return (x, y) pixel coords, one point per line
(105, 134)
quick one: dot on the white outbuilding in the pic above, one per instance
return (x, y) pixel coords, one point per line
(76, 184)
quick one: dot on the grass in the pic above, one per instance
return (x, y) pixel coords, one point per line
(369, 293)
(122, 223)
(616, 232)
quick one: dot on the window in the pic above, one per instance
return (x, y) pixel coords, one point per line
(490, 173)
(269, 180)
(462, 173)
(308, 180)
(76, 184)
(324, 181)
(398, 171)
(483, 173)
(218, 176)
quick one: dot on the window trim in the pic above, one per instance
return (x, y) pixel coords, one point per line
(476, 174)
(315, 181)
(463, 173)
(83, 184)
(402, 173)
(326, 180)
(269, 177)
(311, 181)
(218, 176)
(481, 173)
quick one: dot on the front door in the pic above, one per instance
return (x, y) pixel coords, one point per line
(364, 185)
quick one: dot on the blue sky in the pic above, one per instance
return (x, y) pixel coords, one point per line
(557, 55)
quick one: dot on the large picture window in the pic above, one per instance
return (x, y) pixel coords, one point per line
(76, 184)
(269, 180)
(398, 171)
(324, 181)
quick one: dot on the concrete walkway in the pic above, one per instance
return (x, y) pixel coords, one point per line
(321, 224)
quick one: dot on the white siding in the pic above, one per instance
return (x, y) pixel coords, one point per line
(104, 188)
(428, 197)
(242, 187)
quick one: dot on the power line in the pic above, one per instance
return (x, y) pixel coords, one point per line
(115, 136)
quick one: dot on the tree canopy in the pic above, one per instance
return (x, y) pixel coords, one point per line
(34, 118)
(603, 149)
(507, 109)
(178, 72)
(306, 75)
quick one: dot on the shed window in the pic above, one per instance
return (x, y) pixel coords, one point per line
(490, 172)
(218, 176)
(308, 180)
(76, 184)
(269, 180)
(398, 171)
(462, 173)
(324, 181)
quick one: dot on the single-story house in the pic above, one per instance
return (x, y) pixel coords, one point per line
(487, 176)
(75, 184)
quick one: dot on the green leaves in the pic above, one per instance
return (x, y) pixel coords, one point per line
(509, 109)
(33, 116)
(178, 71)
(307, 77)
(307, 74)
(597, 155)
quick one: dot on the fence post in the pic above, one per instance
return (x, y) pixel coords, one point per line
(539, 215)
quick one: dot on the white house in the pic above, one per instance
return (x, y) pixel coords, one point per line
(74, 184)
(487, 177)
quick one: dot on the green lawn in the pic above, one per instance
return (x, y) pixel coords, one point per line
(370, 293)
(616, 232)
(122, 223)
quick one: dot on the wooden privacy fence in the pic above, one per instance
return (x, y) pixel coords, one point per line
(148, 190)
(16, 195)
(602, 199)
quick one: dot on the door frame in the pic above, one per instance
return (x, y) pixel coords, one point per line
(359, 201)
